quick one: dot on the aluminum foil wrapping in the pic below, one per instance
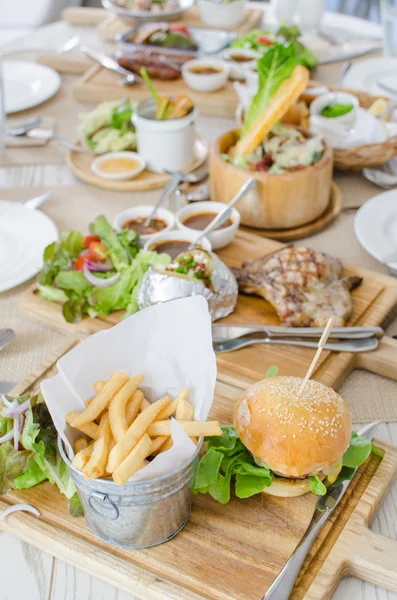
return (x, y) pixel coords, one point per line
(162, 286)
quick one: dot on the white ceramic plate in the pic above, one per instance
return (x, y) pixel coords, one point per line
(375, 225)
(345, 27)
(364, 75)
(28, 84)
(24, 233)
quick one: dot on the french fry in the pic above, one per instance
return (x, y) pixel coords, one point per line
(81, 458)
(145, 404)
(98, 385)
(168, 411)
(101, 401)
(80, 444)
(182, 394)
(117, 407)
(134, 433)
(166, 445)
(90, 429)
(96, 466)
(133, 406)
(158, 442)
(192, 428)
(133, 461)
(184, 411)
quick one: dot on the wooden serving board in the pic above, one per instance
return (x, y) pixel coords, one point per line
(230, 552)
(99, 84)
(372, 303)
(80, 164)
(109, 25)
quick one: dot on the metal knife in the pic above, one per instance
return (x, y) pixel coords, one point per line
(111, 64)
(364, 345)
(223, 333)
(6, 386)
(282, 586)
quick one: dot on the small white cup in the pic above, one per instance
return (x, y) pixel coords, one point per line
(218, 238)
(310, 14)
(98, 162)
(238, 69)
(144, 211)
(222, 14)
(165, 145)
(189, 236)
(333, 129)
(205, 82)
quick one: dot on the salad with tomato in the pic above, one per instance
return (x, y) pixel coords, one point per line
(98, 273)
(262, 41)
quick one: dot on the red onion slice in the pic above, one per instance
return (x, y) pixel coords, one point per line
(8, 403)
(17, 409)
(7, 437)
(18, 507)
(107, 265)
(98, 282)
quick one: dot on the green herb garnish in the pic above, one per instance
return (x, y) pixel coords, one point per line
(336, 110)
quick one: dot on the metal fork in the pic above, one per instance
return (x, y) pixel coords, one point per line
(6, 336)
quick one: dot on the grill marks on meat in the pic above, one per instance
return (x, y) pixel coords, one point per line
(306, 287)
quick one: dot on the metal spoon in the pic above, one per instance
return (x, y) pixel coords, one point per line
(193, 177)
(6, 336)
(225, 214)
(169, 188)
(24, 127)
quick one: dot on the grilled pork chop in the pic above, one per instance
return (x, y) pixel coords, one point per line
(306, 287)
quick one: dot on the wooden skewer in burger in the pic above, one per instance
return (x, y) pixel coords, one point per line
(291, 436)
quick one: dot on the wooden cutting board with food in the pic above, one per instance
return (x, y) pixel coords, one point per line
(233, 545)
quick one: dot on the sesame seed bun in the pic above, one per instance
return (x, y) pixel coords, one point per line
(295, 437)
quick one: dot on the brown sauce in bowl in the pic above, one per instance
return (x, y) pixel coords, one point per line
(240, 58)
(202, 220)
(137, 224)
(205, 70)
(171, 247)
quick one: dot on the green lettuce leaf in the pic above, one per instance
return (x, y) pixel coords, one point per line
(49, 292)
(316, 486)
(12, 464)
(273, 68)
(304, 56)
(75, 281)
(358, 451)
(117, 251)
(272, 371)
(75, 506)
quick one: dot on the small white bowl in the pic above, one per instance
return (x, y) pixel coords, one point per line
(144, 211)
(222, 14)
(189, 235)
(96, 165)
(218, 238)
(334, 130)
(238, 69)
(205, 83)
(251, 78)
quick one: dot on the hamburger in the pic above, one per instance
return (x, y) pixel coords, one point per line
(283, 444)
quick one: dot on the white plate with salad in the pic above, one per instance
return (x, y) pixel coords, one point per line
(24, 233)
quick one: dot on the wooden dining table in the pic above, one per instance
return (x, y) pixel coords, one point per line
(26, 572)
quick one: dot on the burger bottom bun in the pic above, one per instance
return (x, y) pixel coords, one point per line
(284, 488)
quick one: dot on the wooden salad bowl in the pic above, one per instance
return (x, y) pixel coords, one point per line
(281, 201)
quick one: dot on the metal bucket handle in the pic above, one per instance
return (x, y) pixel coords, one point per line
(104, 498)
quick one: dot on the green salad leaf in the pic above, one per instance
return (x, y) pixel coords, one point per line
(316, 486)
(358, 451)
(37, 458)
(260, 41)
(336, 110)
(274, 67)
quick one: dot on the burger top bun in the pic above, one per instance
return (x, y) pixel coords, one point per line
(294, 436)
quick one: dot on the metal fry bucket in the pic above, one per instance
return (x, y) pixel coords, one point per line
(138, 514)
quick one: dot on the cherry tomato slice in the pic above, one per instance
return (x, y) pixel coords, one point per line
(97, 251)
(90, 238)
(79, 264)
(262, 39)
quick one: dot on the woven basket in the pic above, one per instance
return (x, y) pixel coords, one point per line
(369, 156)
